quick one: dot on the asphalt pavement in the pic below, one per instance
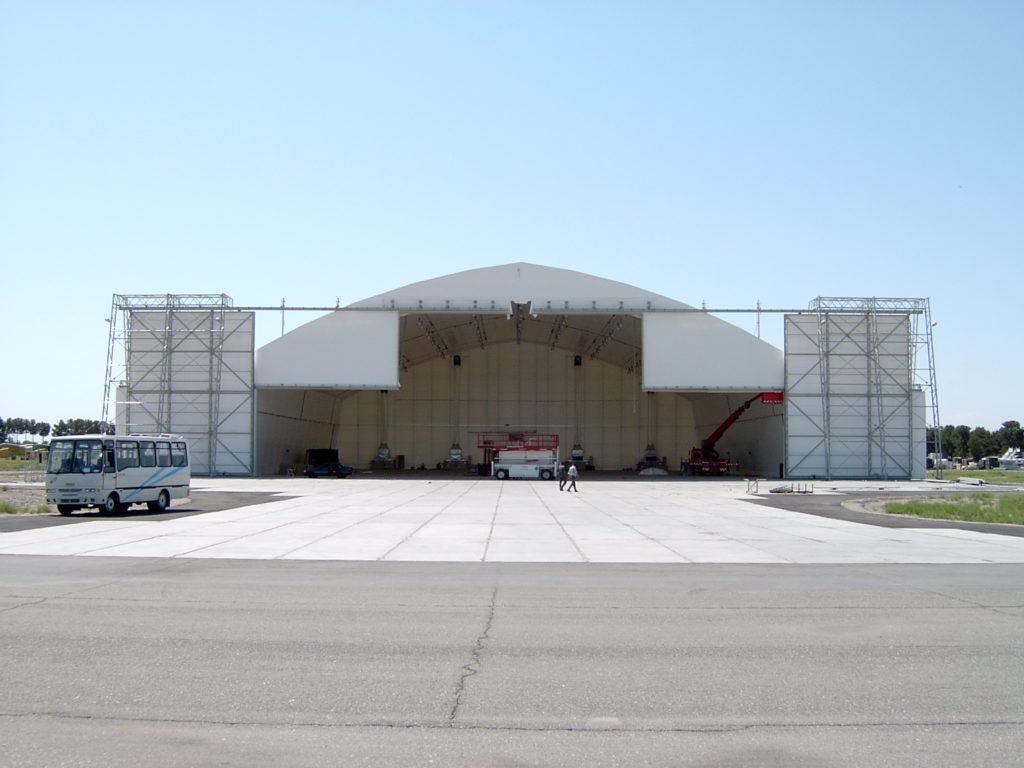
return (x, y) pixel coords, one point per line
(171, 662)
(298, 622)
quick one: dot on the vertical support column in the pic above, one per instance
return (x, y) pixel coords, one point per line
(215, 369)
(924, 374)
(108, 383)
(826, 386)
(577, 400)
(455, 401)
(875, 400)
(382, 417)
(164, 398)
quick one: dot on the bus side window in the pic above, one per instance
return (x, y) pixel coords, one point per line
(81, 461)
(163, 454)
(108, 458)
(127, 454)
(179, 455)
(147, 454)
(95, 460)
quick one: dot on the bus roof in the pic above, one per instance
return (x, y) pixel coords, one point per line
(133, 436)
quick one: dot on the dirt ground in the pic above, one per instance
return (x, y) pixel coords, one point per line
(26, 498)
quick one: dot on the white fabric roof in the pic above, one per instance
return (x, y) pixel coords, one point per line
(550, 289)
(617, 323)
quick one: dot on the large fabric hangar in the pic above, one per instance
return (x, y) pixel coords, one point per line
(436, 374)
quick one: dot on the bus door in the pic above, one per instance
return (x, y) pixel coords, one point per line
(109, 466)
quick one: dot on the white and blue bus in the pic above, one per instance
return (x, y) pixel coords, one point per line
(113, 472)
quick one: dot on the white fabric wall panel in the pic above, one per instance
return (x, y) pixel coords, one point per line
(690, 351)
(849, 397)
(346, 349)
(190, 373)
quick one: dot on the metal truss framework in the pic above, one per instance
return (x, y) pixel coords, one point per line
(183, 363)
(859, 373)
(207, 416)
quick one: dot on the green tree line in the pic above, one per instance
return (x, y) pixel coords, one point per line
(12, 427)
(978, 442)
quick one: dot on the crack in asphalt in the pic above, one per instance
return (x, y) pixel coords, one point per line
(473, 666)
(531, 729)
(25, 604)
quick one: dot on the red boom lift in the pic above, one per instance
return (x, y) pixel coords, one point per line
(705, 460)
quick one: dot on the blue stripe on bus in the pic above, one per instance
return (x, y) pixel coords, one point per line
(154, 479)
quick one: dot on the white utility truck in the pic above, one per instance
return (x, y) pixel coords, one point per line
(518, 455)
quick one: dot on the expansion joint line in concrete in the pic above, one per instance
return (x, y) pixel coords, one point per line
(561, 527)
(494, 520)
(425, 523)
(352, 525)
(619, 521)
(473, 666)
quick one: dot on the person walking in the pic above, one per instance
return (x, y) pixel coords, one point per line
(573, 473)
(562, 476)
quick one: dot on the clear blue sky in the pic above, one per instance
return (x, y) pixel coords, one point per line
(719, 152)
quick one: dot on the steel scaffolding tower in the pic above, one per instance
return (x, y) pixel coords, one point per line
(183, 363)
(860, 378)
(858, 373)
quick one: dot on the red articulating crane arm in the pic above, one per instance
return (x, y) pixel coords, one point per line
(708, 444)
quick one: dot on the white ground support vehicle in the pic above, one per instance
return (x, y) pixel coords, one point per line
(1013, 459)
(113, 472)
(525, 464)
(515, 455)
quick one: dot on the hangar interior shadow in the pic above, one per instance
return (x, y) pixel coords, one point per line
(574, 375)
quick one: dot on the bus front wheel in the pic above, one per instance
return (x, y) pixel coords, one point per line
(162, 502)
(111, 505)
(66, 509)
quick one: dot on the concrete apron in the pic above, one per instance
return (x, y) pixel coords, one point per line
(484, 520)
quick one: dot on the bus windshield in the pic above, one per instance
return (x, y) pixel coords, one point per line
(75, 456)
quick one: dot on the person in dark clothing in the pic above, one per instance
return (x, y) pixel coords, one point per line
(562, 477)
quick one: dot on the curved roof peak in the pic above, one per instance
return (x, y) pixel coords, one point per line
(547, 289)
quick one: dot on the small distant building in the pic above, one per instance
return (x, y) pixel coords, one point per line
(20, 451)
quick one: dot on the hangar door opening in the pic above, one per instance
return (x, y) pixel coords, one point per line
(459, 375)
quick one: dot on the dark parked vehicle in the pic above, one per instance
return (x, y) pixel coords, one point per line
(329, 469)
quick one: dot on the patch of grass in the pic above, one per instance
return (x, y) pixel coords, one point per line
(974, 508)
(1002, 476)
(21, 465)
(17, 501)
(8, 508)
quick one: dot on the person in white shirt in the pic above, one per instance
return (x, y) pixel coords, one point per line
(573, 474)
